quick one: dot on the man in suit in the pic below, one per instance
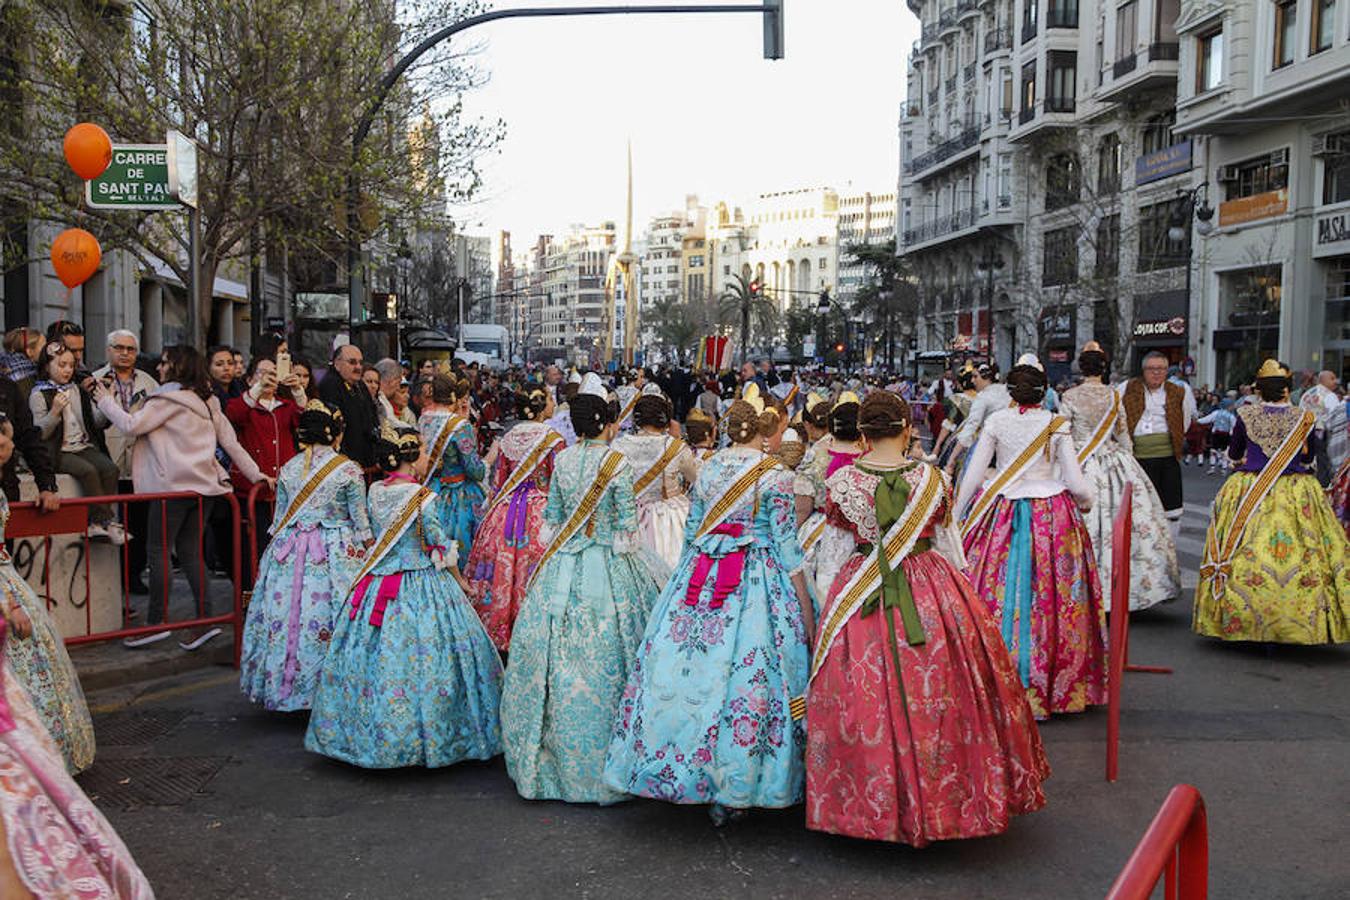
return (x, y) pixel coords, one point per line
(342, 387)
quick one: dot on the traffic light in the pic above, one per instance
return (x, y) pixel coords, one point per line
(773, 29)
(839, 347)
(755, 288)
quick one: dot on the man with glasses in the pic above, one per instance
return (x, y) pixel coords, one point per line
(72, 335)
(1158, 412)
(129, 386)
(342, 388)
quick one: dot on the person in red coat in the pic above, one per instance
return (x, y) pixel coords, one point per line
(265, 419)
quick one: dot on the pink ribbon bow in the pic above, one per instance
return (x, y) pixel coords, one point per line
(388, 590)
(729, 570)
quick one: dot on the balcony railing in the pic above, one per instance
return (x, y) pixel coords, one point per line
(1124, 66)
(914, 50)
(1059, 104)
(997, 39)
(932, 98)
(930, 32)
(951, 85)
(1026, 115)
(947, 149)
(1028, 31)
(969, 72)
(965, 6)
(964, 218)
(1164, 52)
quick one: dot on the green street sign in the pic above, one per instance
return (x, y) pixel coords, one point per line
(137, 179)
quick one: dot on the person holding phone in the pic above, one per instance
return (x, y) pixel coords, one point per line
(265, 417)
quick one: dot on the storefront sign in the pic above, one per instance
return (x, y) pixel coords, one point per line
(1175, 326)
(1057, 325)
(1155, 166)
(1254, 208)
(1331, 232)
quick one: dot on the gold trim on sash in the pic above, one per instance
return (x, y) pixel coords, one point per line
(723, 506)
(420, 498)
(811, 532)
(531, 461)
(1218, 560)
(899, 541)
(437, 449)
(313, 484)
(609, 467)
(1007, 476)
(1104, 429)
(667, 457)
(627, 411)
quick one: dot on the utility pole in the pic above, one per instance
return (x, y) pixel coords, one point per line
(770, 10)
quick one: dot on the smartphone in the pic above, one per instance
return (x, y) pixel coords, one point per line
(283, 365)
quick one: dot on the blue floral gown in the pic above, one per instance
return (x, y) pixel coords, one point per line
(705, 718)
(458, 477)
(575, 639)
(419, 685)
(306, 570)
(43, 666)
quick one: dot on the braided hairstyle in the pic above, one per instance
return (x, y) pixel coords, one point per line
(447, 390)
(883, 415)
(653, 411)
(320, 424)
(532, 404)
(397, 445)
(589, 414)
(745, 423)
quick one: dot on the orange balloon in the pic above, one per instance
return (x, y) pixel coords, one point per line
(88, 150)
(75, 256)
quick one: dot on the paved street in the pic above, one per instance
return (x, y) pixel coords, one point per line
(1264, 734)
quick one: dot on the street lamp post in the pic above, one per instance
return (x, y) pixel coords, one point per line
(987, 265)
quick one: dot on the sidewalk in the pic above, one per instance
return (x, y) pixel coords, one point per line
(108, 664)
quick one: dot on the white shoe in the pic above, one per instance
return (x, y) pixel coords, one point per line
(201, 641)
(142, 640)
(117, 535)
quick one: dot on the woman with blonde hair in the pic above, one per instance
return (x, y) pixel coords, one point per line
(712, 714)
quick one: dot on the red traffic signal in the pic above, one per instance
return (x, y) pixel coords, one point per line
(754, 287)
(839, 347)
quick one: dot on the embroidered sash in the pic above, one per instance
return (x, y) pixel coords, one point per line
(811, 531)
(546, 443)
(898, 542)
(609, 467)
(1104, 429)
(628, 408)
(724, 505)
(667, 457)
(437, 449)
(1008, 476)
(1219, 552)
(420, 499)
(307, 492)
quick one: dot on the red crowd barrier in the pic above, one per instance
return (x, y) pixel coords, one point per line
(254, 541)
(26, 522)
(1175, 848)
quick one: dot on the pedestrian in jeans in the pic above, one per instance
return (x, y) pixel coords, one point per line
(73, 430)
(130, 386)
(177, 432)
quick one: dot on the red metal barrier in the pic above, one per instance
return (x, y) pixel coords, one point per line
(1120, 623)
(1175, 848)
(73, 519)
(252, 530)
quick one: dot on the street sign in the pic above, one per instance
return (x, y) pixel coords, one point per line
(182, 168)
(138, 178)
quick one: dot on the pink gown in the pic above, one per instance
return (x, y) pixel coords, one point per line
(58, 841)
(943, 747)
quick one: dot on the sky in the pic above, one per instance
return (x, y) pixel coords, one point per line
(705, 112)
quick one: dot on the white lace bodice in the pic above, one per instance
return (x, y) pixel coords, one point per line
(642, 452)
(1085, 406)
(1005, 435)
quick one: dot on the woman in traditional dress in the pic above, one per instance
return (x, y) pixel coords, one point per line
(990, 396)
(581, 621)
(1105, 452)
(318, 543)
(1338, 493)
(456, 472)
(508, 544)
(411, 677)
(957, 409)
(663, 468)
(712, 712)
(701, 432)
(38, 654)
(53, 841)
(1275, 566)
(1030, 556)
(909, 657)
(808, 486)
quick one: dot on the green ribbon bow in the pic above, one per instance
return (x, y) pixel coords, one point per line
(891, 499)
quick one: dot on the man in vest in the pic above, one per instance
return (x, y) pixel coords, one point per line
(1158, 413)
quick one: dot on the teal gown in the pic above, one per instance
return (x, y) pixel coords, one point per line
(458, 477)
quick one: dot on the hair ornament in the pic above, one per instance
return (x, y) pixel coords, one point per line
(592, 385)
(1092, 347)
(844, 398)
(1272, 368)
(751, 396)
(1030, 359)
